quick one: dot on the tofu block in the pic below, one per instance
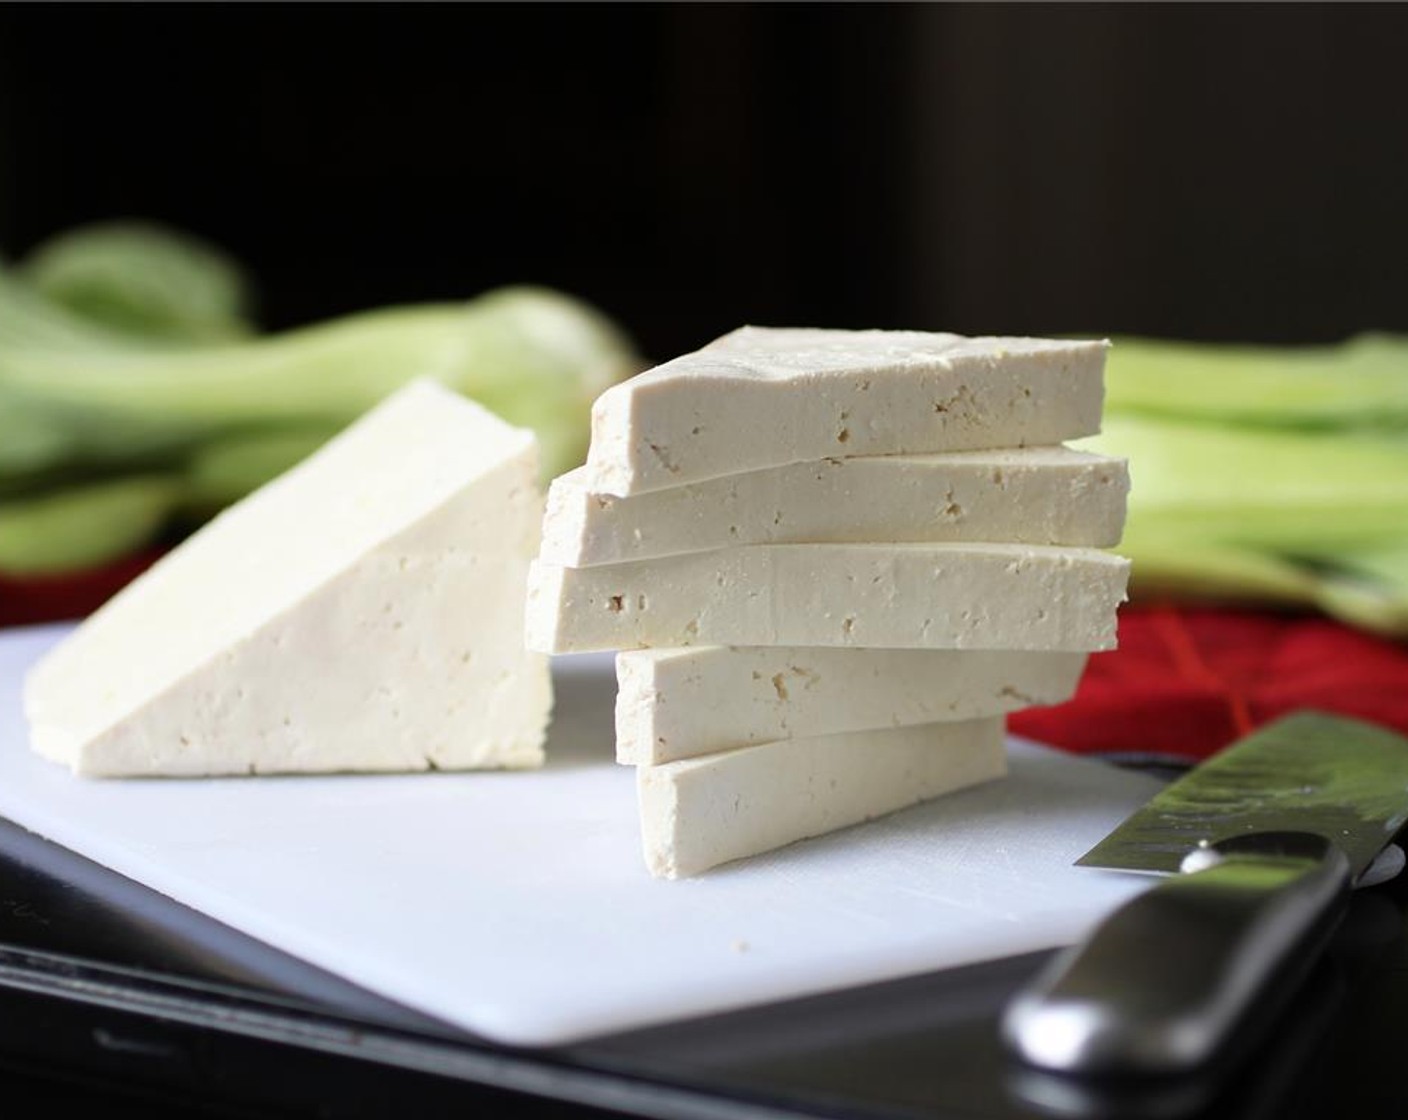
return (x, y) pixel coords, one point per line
(700, 812)
(870, 596)
(1038, 495)
(364, 611)
(680, 703)
(763, 397)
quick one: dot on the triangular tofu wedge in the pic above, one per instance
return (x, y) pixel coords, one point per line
(765, 396)
(867, 596)
(1032, 495)
(697, 700)
(700, 812)
(363, 612)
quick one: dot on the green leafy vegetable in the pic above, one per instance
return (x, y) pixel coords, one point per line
(144, 279)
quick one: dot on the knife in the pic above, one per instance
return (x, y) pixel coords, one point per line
(1261, 844)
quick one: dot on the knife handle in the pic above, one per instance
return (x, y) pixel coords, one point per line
(1162, 983)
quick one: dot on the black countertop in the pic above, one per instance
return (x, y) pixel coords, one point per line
(113, 995)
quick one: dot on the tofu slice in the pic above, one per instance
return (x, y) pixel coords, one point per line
(763, 397)
(701, 812)
(1038, 495)
(870, 596)
(364, 611)
(681, 703)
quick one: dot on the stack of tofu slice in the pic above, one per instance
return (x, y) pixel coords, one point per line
(831, 562)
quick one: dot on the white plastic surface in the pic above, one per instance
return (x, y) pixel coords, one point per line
(518, 906)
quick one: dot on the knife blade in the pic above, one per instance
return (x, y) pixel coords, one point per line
(1259, 847)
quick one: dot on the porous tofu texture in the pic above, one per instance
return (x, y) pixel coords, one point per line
(702, 812)
(761, 397)
(680, 703)
(866, 596)
(1039, 495)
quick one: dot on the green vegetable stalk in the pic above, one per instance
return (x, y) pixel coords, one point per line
(537, 357)
(1288, 490)
(86, 525)
(225, 470)
(1359, 384)
(133, 394)
(1266, 475)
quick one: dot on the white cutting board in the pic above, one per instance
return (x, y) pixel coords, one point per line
(518, 905)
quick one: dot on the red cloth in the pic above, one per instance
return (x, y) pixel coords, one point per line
(31, 599)
(1186, 682)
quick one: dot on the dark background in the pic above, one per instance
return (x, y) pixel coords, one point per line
(1220, 172)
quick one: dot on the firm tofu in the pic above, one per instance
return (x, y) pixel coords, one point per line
(763, 397)
(680, 703)
(364, 611)
(869, 596)
(701, 812)
(1038, 495)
